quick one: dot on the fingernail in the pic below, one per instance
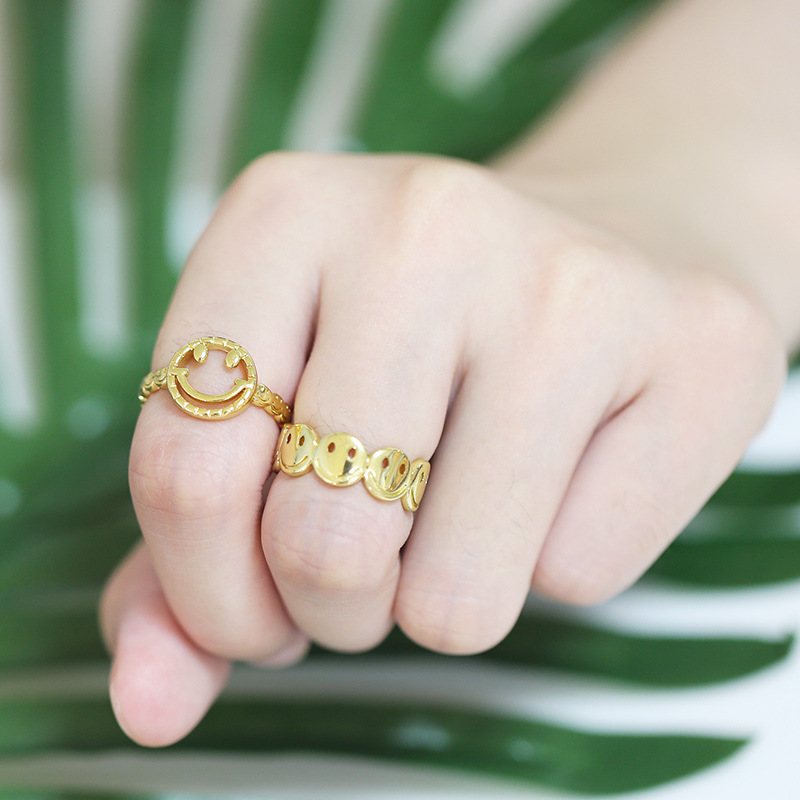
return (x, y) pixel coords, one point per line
(288, 655)
(112, 693)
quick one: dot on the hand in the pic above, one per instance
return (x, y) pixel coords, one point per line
(582, 402)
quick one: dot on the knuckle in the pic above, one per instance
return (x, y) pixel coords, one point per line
(578, 277)
(451, 623)
(582, 594)
(737, 320)
(180, 478)
(577, 280)
(439, 180)
(574, 585)
(319, 546)
(434, 194)
(433, 223)
(239, 643)
(282, 167)
(737, 347)
(277, 181)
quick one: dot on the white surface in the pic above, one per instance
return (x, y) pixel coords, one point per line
(19, 374)
(778, 445)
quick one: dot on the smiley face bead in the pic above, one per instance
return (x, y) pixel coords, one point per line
(340, 459)
(386, 477)
(417, 483)
(296, 448)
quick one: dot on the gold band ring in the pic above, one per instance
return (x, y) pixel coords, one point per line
(340, 459)
(245, 390)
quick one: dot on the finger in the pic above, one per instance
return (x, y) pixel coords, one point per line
(197, 485)
(642, 479)
(334, 552)
(498, 485)
(161, 683)
(651, 467)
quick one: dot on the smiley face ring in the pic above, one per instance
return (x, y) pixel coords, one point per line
(340, 459)
(245, 389)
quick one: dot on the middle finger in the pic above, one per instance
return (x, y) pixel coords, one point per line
(334, 551)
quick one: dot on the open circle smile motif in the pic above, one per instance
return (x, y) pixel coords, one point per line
(212, 406)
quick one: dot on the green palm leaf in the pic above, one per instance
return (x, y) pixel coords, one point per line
(748, 489)
(278, 56)
(150, 135)
(408, 109)
(501, 746)
(53, 794)
(731, 563)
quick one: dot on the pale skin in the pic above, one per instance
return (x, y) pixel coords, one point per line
(584, 336)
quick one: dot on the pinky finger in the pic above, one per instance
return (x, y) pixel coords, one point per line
(645, 474)
(161, 683)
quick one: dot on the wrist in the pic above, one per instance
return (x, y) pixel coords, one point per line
(705, 216)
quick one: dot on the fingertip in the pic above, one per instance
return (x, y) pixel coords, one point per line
(293, 653)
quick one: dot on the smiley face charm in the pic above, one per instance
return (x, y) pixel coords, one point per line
(212, 406)
(340, 459)
(386, 477)
(296, 447)
(417, 483)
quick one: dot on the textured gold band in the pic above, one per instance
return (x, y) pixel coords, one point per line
(245, 390)
(340, 459)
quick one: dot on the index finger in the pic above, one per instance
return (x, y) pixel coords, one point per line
(197, 484)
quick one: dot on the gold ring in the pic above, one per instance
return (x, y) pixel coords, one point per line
(340, 459)
(245, 390)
